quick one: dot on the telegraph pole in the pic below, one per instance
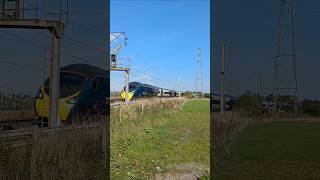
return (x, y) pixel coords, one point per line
(257, 84)
(222, 82)
(196, 90)
(201, 80)
(1, 101)
(179, 85)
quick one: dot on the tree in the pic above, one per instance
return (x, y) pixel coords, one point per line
(249, 105)
(311, 107)
(206, 95)
(187, 94)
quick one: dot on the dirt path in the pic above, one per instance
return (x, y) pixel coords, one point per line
(186, 171)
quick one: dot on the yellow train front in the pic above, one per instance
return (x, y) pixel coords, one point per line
(83, 89)
(123, 95)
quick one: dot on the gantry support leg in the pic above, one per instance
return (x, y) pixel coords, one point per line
(127, 87)
(54, 120)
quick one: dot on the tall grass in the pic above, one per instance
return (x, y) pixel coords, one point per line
(129, 122)
(224, 130)
(66, 154)
(127, 119)
(247, 107)
(77, 153)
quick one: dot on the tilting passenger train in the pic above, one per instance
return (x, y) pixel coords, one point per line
(139, 90)
(83, 89)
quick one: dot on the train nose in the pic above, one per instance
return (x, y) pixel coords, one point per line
(122, 95)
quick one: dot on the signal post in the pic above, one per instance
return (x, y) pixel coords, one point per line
(116, 65)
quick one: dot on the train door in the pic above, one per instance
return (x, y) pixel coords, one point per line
(98, 93)
(91, 96)
(102, 88)
(147, 91)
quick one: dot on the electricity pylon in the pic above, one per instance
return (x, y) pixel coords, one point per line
(199, 75)
(285, 77)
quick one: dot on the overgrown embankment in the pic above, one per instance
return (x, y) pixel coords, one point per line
(66, 154)
(227, 127)
(225, 130)
(169, 138)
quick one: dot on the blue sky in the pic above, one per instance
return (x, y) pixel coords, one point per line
(163, 41)
(249, 29)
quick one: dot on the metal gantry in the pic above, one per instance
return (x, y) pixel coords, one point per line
(117, 64)
(56, 29)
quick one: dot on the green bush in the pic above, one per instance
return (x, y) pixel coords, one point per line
(187, 94)
(249, 105)
(311, 107)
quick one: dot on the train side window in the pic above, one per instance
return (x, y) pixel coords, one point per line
(103, 83)
(99, 83)
(94, 84)
(215, 102)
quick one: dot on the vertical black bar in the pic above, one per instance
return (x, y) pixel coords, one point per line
(67, 13)
(107, 123)
(3, 9)
(37, 7)
(60, 11)
(17, 10)
(212, 155)
(22, 9)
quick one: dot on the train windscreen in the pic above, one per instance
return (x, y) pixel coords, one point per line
(132, 87)
(69, 84)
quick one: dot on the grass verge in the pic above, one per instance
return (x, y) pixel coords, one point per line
(164, 140)
(274, 150)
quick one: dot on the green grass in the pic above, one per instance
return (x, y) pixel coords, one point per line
(173, 139)
(275, 150)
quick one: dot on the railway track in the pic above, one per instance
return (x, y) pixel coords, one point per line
(286, 116)
(7, 125)
(119, 103)
(10, 120)
(22, 137)
(13, 124)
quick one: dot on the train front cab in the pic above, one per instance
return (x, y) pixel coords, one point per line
(77, 95)
(123, 95)
(70, 88)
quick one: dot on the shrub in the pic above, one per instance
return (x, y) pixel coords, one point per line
(311, 107)
(249, 105)
(187, 94)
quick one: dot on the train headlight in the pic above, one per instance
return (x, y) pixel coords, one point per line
(72, 100)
